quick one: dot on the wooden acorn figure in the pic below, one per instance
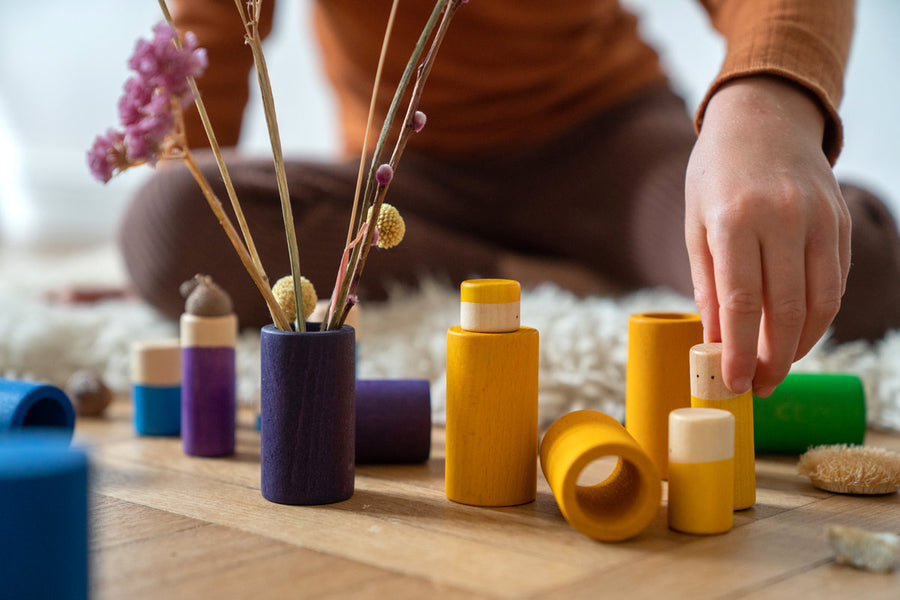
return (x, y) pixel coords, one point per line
(492, 399)
(208, 338)
(708, 390)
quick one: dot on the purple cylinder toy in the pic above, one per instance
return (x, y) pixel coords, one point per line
(307, 413)
(393, 421)
(208, 384)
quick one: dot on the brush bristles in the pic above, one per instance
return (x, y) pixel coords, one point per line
(846, 469)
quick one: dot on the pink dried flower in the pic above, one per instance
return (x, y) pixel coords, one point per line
(384, 174)
(131, 105)
(419, 120)
(159, 63)
(145, 137)
(107, 155)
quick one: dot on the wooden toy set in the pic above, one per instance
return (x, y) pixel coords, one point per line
(682, 424)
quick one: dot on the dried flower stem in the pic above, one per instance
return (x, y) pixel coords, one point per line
(280, 319)
(251, 27)
(223, 170)
(362, 159)
(355, 220)
(361, 251)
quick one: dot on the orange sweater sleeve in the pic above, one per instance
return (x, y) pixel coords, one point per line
(804, 41)
(224, 86)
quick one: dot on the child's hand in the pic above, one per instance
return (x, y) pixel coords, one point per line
(767, 230)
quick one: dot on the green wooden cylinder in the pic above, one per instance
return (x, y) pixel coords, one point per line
(809, 409)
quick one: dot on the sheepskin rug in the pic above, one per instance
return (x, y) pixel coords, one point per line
(583, 340)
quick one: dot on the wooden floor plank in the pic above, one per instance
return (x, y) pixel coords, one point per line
(389, 543)
(747, 558)
(168, 525)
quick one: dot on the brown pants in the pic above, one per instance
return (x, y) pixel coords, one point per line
(605, 200)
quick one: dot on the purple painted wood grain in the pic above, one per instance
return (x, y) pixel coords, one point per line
(393, 421)
(207, 401)
(307, 414)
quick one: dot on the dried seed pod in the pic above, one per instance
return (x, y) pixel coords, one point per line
(391, 226)
(283, 290)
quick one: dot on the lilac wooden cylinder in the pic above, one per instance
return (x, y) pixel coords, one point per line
(393, 421)
(208, 385)
(307, 415)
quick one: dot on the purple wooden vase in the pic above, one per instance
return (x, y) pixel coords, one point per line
(307, 414)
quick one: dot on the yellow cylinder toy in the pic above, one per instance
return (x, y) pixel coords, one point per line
(621, 506)
(708, 390)
(492, 399)
(701, 470)
(658, 377)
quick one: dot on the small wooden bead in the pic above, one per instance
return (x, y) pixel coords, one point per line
(156, 363)
(490, 305)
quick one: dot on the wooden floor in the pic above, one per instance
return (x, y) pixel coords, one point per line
(165, 525)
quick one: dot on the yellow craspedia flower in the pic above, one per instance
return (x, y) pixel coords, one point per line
(283, 290)
(390, 225)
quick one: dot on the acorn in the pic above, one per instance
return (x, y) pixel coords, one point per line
(89, 394)
(204, 298)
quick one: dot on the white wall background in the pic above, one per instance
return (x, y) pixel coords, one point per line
(62, 66)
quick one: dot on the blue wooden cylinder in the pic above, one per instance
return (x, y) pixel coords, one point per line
(156, 386)
(27, 404)
(157, 410)
(307, 413)
(393, 421)
(43, 517)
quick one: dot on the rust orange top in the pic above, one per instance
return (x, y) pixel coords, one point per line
(513, 72)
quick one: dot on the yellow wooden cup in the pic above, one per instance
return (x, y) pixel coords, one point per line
(658, 377)
(621, 506)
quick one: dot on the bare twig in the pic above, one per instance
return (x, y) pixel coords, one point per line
(447, 8)
(223, 168)
(251, 27)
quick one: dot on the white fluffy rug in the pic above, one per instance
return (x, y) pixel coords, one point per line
(583, 340)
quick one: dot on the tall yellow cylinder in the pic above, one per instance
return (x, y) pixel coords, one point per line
(708, 390)
(492, 401)
(621, 506)
(658, 377)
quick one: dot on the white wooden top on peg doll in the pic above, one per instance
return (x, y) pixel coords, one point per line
(706, 373)
(490, 305)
